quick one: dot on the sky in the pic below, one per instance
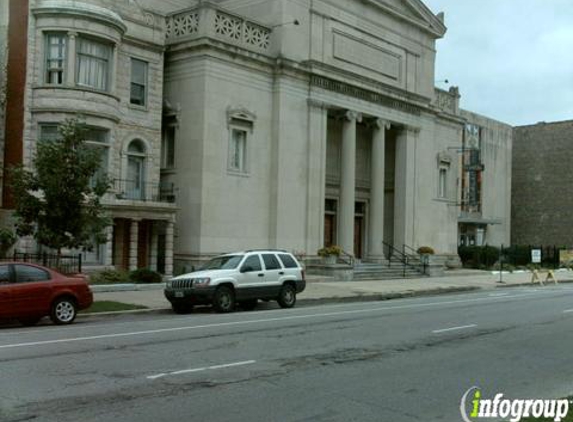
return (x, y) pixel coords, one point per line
(512, 59)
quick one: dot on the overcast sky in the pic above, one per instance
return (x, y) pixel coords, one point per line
(512, 59)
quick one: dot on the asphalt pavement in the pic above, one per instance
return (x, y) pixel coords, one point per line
(401, 360)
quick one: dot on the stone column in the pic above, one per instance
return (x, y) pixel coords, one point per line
(404, 187)
(113, 68)
(169, 249)
(377, 169)
(348, 182)
(316, 184)
(154, 241)
(71, 59)
(108, 260)
(133, 241)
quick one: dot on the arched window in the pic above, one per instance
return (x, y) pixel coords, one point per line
(136, 170)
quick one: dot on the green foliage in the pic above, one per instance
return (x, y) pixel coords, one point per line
(478, 256)
(145, 275)
(58, 203)
(426, 250)
(330, 250)
(110, 277)
(111, 306)
(7, 240)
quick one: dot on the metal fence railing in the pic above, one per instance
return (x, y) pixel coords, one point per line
(66, 264)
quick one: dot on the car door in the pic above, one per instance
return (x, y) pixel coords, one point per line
(273, 274)
(5, 290)
(32, 290)
(251, 277)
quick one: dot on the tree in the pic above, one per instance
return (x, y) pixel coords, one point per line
(58, 201)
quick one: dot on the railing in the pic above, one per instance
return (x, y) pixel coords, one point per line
(417, 256)
(66, 264)
(346, 258)
(207, 20)
(144, 191)
(403, 258)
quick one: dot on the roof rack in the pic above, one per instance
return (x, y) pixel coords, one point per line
(266, 249)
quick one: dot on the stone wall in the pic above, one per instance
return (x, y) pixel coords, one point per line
(542, 186)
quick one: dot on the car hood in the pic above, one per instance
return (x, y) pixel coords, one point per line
(206, 273)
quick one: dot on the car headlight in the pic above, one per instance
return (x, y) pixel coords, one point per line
(201, 282)
(168, 284)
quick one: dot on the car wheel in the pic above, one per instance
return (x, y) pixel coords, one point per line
(63, 311)
(249, 305)
(287, 296)
(224, 299)
(29, 322)
(182, 308)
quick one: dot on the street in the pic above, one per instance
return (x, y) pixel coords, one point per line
(399, 360)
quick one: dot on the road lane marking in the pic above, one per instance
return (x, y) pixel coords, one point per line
(498, 294)
(463, 327)
(256, 321)
(206, 368)
(566, 311)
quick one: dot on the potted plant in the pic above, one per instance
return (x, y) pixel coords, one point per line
(425, 252)
(330, 254)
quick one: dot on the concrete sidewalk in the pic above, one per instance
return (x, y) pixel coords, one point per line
(318, 291)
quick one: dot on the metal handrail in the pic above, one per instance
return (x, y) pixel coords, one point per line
(417, 255)
(347, 256)
(401, 257)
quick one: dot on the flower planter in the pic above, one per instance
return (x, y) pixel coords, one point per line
(329, 259)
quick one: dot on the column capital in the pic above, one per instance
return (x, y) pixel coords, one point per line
(380, 123)
(72, 34)
(353, 115)
(316, 103)
(411, 130)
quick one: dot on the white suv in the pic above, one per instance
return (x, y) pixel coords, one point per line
(239, 278)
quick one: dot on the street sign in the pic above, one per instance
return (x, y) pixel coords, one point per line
(536, 256)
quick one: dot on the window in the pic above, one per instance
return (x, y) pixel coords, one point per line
(55, 58)
(138, 91)
(271, 262)
(288, 261)
(238, 151)
(253, 262)
(443, 183)
(27, 274)
(49, 132)
(98, 139)
(168, 147)
(93, 64)
(4, 274)
(135, 184)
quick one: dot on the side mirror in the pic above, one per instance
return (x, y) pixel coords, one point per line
(246, 269)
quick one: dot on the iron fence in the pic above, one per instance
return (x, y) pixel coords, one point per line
(66, 264)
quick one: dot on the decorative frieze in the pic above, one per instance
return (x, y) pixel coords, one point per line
(363, 94)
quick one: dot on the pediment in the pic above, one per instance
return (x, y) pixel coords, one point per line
(413, 11)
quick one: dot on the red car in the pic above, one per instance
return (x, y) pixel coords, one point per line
(29, 292)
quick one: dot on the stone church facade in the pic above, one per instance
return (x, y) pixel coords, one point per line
(254, 124)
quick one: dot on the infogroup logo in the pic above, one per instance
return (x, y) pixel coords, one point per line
(478, 408)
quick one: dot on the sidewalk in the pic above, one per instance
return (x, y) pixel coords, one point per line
(318, 291)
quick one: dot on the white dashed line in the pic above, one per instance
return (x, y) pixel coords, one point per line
(443, 330)
(206, 368)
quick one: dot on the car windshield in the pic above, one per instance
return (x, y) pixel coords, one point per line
(227, 262)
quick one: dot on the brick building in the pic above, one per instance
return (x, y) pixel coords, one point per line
(542, 187)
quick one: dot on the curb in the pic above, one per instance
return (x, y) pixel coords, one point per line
(530, 284)
(126, 287)
(362, 297)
